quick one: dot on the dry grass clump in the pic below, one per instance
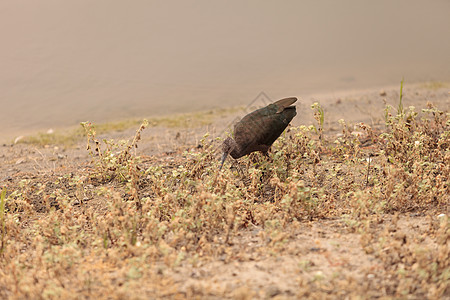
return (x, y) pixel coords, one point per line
(119, 228)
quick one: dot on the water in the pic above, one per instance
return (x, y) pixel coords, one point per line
(62, 62)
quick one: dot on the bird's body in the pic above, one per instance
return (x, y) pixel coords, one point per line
(258, 130)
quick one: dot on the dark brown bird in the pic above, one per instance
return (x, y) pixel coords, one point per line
(258, 130)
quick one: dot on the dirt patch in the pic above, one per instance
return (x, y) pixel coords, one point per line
(316, 220)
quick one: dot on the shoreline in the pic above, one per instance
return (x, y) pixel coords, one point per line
(330, 100)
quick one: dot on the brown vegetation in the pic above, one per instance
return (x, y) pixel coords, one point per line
(364, 214)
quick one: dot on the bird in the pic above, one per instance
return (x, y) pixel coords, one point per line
(259, 129)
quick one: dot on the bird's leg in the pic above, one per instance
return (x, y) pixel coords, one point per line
(269, 160)
(266, 154)
(238, 167)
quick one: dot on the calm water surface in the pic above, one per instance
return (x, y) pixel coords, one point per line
(62, 62)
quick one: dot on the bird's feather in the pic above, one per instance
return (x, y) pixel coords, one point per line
(258, 130)
(284, 103)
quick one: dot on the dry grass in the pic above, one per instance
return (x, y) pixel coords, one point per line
(130, 227)
(70, 137)
(434, 85)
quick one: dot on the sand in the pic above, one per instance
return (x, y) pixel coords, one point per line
(317, 259)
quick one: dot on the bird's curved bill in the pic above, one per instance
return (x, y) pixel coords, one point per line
(224, 156)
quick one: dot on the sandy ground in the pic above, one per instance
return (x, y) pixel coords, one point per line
(316, 250)
(352, 106)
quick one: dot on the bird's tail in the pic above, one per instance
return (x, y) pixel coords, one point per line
(284, 103)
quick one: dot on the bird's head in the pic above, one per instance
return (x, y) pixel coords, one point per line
(227, 146)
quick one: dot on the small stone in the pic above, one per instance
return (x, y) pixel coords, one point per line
(392, 228)
(400, 236)
(272, 291)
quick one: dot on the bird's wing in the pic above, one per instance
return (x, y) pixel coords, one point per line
(248, 131)
(261, 129)
(275, 125)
